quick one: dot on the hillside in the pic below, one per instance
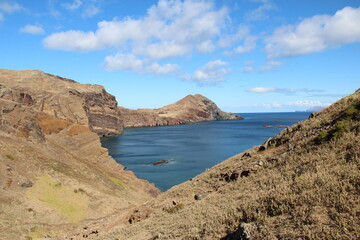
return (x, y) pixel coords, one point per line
(301, 184)
(54, 174)
(190, 109)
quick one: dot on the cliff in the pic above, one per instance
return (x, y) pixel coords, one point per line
(83, 104)
(190, 109)
(54, 174)
(301, 184)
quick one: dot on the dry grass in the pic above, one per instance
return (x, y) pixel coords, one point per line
(304, 186)
(65, 201)
(50, 124)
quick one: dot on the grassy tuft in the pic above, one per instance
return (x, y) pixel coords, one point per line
(118, 182)
(52, 194)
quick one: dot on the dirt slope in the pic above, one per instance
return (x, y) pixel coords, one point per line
(54, 174)
(303, 183)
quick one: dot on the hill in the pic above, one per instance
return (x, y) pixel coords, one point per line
(301, 184)
(190, 109)
(54, 174)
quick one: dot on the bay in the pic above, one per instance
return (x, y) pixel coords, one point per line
(191, 149)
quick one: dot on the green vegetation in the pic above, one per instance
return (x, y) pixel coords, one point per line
(118, 182)
(36, 233)
(10, 157)
(342, 125)
(62, 199)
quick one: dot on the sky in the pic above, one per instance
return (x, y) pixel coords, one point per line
(245, 55)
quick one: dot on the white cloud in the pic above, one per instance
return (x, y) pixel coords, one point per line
(206, 46)
(242, 35)
(210, 74)
(130, 62)
(10, 7)
(261, 90)
(90, 11)
(72, 6)
(271, 66)
(298, 103)
(170, 29)
(165, 49)
(248, 46)
(249, 67)
(175, 27)
(73, 40)
(281, 90)
(155, 68)
(32, 29)
(315, 34)
(260, 13)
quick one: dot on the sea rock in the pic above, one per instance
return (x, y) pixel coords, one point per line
(161, 162)
(198, 197)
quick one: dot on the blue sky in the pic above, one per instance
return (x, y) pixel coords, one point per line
(246, 55)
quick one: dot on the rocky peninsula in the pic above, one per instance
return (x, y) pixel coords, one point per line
(54, 174)
(190, 109)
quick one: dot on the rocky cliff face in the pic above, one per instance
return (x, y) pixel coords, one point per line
(191, 109)
(88, 105)
(54, 174)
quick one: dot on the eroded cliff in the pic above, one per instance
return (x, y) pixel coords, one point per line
(54, 174)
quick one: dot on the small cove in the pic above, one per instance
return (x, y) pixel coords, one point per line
(191, 149)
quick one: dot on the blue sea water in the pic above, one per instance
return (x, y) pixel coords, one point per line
(192, 148)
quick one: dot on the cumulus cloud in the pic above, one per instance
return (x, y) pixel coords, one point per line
(281, 90)
(72, 6)
(174, 27)
(130, 62)
(271, 66)
(212, 73)
(315, 34)
(248, 45)
(170, 29)
(260, 13)
(9, 7)
(32, 29)
(90, 11)
(241, 36)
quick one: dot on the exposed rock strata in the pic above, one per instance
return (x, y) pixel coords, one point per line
(191, 109)
(54, 174)
(83, 104)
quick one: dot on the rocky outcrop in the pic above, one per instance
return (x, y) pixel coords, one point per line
(84, 104)
(191, 109)
(54, 174)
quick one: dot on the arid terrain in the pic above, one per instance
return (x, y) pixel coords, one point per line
(54, 174)
(301, 184)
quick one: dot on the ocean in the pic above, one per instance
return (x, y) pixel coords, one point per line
(190, 149)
